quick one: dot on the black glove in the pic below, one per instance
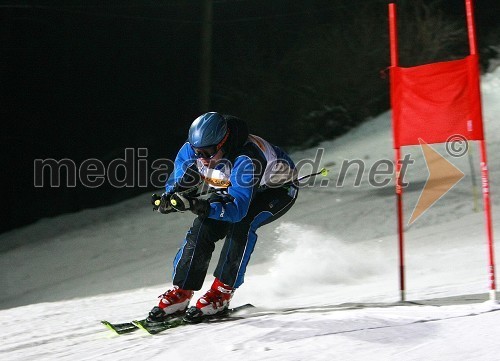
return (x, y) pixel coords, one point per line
(162, 203)
(182, 202)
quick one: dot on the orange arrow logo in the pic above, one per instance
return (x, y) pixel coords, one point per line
(443, 176)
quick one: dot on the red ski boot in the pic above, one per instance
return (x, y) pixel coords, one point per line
(174, 301)
(215, 301)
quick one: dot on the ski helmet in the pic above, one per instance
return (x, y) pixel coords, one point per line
(209, 129)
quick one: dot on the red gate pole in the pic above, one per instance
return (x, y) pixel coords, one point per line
(399, 198)
(471, 30)
(397, 153)
(487, 216)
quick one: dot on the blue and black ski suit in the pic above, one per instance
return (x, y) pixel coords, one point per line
(254, 187)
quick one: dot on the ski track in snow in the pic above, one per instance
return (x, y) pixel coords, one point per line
(266, 332)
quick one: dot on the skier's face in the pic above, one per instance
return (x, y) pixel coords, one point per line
(209, 156)
(211, 162)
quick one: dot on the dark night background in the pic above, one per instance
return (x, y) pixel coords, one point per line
(87, 79)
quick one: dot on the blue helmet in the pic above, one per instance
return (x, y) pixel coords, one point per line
(209, 129)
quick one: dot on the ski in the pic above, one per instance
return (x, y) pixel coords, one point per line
(154, 328)
(120, 328)
(127, 327)
(175, 321)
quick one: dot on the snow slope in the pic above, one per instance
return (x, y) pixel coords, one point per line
(324, 277)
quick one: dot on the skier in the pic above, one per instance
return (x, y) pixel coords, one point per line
(253, 184)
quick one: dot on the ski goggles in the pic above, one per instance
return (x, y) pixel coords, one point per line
(206, 153)
(210, 151)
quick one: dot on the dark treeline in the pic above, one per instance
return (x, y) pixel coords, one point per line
(83, 79)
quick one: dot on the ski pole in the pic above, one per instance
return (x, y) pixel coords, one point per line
(323, 172)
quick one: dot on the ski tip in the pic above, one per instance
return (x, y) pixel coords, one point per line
(109, 326)
(141, 327)
(119, 329)
(246, 305)
(140, 324)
